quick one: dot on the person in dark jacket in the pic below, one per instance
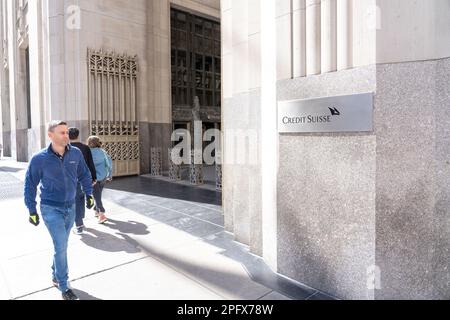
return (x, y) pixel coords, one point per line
(57, 169)
(74, 135)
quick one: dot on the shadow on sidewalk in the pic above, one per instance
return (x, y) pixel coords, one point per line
(257, 269)
(195, 223)
(108, 242)
(131, 227)
(10, 170)
(84, 295)
(165, 189)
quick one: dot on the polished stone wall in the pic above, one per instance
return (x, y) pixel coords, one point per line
(365, 216)
(326, 195)
(242, 185)
(413, 174)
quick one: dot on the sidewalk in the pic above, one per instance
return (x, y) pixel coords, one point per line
(162, 241)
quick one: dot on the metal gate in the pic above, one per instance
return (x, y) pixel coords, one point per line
(112, 92)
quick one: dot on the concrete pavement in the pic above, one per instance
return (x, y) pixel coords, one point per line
(162, 242)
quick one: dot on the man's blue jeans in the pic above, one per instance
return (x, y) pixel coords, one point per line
(59, 222)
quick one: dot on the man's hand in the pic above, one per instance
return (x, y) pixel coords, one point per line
(90, 202)
(34, 219)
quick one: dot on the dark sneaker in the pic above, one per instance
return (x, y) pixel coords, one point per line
(69, 295)
(79, 230)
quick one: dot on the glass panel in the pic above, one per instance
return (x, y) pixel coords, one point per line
(183, 96)
(174, 101)
(199, 79)
(185, 78)
(217, 48)
(208, 80)
(208, 46)
(172, 57)
(198, 26)
(209, 98)
(182, 78)
(177, 79)
(199, 94)
(198, 44)
(218, 99)
(174, 78)
(217, 66)
(173, 39)
(198, 62)
(208, 64)
(172, 19)
(202, 57)
(182, 59)
(181, 17)
(217, 31)
(208, 29)
(182, 40)
(218, 82)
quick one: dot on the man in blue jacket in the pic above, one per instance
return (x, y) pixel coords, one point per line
(58, 169)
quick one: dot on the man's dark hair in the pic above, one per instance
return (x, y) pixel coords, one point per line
(56, 123)
(74, 133)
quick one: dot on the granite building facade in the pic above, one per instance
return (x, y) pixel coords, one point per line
(358, 215)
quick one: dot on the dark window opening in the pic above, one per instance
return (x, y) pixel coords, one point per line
(195, 59)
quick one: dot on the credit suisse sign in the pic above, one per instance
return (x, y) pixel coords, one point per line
(351, 113)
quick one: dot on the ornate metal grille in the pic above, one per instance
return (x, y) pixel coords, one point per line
(156, 162)
(196, 171)
(174, 169)
(112, 90)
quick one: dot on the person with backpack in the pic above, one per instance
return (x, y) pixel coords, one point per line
(104, 169)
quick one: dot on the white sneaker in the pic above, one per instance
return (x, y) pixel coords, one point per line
(102, 219)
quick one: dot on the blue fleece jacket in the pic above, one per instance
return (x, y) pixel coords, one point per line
(58, 177)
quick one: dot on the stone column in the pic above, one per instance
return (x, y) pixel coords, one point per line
(299, 38)
(2, 71)
(156, 130)
(328, 36)
(12, 61)
(313, 43)
(344, 34)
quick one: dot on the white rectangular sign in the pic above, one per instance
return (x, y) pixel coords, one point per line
(352, 113)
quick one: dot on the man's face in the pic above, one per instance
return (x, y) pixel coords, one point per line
(60, 136)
